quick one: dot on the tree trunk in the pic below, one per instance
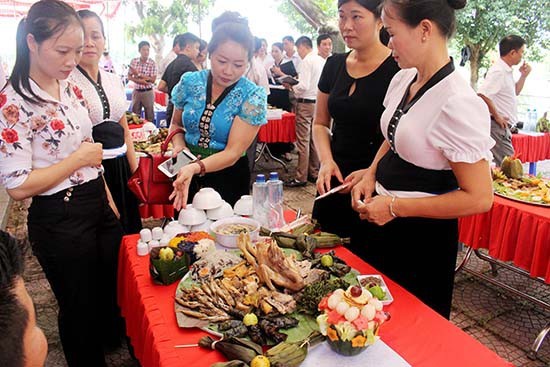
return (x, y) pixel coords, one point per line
(474, 65)
(320, 21)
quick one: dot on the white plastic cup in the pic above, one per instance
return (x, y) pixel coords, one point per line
(153, 244)
(164, 240)
(145, 235)
(157, 233)
(142, 248)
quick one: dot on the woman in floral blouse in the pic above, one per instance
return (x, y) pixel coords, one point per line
(47, 153)
(222, 112)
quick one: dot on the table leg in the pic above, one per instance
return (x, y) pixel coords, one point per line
(265, 150)
(538, 342)
(533, 168)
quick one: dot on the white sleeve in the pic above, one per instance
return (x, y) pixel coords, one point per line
(492, 84)
(463, 131)
(304, 74)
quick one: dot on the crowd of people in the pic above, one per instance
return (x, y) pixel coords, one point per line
(391, 118)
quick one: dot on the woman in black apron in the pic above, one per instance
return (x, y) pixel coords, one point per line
(434, 163)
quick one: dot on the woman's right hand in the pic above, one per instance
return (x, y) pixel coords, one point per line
(90, 154)
(326, 171)
(362, 191)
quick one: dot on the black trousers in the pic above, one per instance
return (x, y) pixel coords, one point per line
(231, 182)
(76, 239)
(418, 253)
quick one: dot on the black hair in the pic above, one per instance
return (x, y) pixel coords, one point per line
(509, 43)
(143, 43)
(279, 45)
(304, 40)
(85, 13)
(187, 38)
(323, 37)
(176, 40)
(14, 318)
(441, 12)
(231, 26)
(257, 44)
(288, 38)
(375, 7)
(45, 19)
(203, 45)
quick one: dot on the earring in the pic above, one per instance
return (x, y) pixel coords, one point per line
(423, 39)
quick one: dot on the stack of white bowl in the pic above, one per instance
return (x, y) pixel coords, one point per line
(207, 207)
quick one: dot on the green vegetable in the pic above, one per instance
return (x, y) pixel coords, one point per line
(326, 260)
(377, 292)
(314, 292)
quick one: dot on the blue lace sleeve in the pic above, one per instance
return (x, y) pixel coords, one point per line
(179, 93)
(254, 109)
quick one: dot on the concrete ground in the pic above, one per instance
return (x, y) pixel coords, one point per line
(499, 320)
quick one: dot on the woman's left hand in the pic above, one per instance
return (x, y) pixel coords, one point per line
(181, 186)
(376, 210)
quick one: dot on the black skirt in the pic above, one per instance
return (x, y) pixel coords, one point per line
(418, 253)
(117, 173)
(231, 182)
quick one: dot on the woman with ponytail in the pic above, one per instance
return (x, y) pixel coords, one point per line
(433, 165)
(48, 155)
(346, 127)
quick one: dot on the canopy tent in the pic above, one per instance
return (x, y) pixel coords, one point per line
(18, 8)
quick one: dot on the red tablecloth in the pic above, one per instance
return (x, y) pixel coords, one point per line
(279, 131)
(512, 231)
(531, 148)
(161, 97)
(417, 333)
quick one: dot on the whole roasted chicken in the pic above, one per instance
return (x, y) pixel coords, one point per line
(271, 264)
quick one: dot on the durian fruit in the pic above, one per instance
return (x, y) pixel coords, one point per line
(511, 167)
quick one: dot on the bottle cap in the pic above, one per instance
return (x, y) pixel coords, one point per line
(273, 176)
(260, 177)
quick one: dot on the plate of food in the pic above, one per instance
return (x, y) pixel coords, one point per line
(527, 189)
(375, 284)
(250, 292)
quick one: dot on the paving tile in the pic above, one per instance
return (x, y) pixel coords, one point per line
(480, 302)
(520, 327)
(497, 344)
(461, 319)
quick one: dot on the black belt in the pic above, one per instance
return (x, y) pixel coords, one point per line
(305, 100)
(143, 90)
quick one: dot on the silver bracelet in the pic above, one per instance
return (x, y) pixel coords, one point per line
(391, 207)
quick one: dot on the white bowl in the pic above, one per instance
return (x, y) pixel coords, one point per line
(243, 206)
(223, 211)
(207, 198)
(174, 228)
(191, 216)
(204, 227)
(230, 240)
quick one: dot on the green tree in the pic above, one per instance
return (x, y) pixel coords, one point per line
(159, 21)
(313, 17)
(483, 23)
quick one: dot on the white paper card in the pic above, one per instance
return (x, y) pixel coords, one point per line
(379, 355)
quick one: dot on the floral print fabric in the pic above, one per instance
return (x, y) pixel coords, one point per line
(246, 100)
(34, 136)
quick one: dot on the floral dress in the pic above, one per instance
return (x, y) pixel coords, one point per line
(34, 136)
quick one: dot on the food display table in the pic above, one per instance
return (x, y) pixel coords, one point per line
(531, 148)
(511, 232)
(281, 130)
(418, 334)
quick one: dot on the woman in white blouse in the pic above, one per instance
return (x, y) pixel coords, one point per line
(434, 163)
(106, 103)
(47, 153)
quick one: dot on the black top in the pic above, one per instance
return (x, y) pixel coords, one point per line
(356, 127)
(181, 65)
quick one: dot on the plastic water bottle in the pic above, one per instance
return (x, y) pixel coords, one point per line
(276, 217)
(260, 202)
(532, 118)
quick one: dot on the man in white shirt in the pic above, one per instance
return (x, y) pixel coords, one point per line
(290, 52)
(305, 91)
(500, 91)
(324, 45)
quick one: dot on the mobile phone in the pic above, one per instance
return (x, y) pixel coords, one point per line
(171, 166)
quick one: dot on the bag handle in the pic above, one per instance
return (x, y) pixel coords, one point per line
(164, 145)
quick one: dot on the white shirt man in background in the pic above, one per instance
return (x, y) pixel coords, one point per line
(305, 91)
(324, 45)
(500, 91)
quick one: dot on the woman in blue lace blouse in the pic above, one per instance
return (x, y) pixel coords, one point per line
(221, 112)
